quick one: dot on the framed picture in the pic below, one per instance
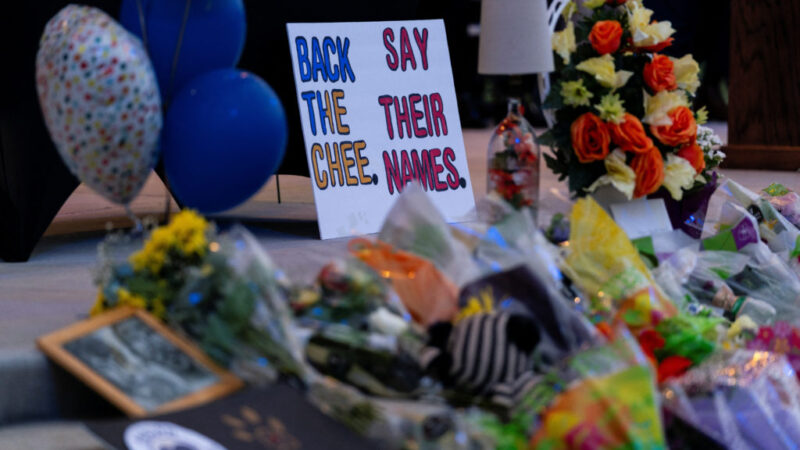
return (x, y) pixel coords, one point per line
(137, 363)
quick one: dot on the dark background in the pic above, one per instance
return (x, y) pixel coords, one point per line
(34, 183)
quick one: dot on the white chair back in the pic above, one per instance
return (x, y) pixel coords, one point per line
(553, 13)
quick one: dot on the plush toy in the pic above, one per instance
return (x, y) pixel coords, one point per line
(486, 354)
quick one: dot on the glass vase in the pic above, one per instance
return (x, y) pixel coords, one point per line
(513, 162)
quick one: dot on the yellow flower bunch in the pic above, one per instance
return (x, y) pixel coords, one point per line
(99, 304)
(185, 233)
(477, 305)
(126, 298)
(190, 229)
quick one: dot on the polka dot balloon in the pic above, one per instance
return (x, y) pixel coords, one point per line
(100, 101)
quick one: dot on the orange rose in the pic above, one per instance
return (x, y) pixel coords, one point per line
(649, 170)
(606, 36)
(694, 154)
(682, 131)
(590, 138)
(630, 135)
(659, 74)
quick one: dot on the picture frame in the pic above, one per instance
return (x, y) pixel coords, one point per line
(137, 363)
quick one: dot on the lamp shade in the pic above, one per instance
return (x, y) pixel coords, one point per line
(514, 38)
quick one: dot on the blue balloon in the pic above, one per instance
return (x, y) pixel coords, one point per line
(213, 38)
(224, 135)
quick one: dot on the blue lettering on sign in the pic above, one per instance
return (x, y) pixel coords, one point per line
(319, 62)
(302, 58)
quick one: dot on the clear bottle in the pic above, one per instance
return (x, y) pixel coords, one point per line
(513, 162)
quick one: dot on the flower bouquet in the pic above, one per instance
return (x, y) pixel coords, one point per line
(223, 291)
(624, 113)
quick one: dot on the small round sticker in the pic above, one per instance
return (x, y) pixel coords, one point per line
(152, 435)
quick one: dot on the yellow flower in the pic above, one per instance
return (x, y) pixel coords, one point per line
(618, 174)
(99, 304)
(575, 93)
(186, 233)
(592, 4)
(611, 109)
(742, 324)
(678, 175)
(701, 116)
(657, 107)
(158, 308)
(484, 304)
(564, 42)
(126, 298)
(189, 229)
(569, 10)
(602, 68)
(646, 32)
(687, 73)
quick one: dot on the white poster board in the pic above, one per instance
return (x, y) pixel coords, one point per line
(378, 110)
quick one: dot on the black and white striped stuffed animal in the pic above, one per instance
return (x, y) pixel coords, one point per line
(484, 354)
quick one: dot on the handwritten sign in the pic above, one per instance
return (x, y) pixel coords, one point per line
(378, 111)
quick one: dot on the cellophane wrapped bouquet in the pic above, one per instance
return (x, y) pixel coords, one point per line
(221, 290)
(624, 111)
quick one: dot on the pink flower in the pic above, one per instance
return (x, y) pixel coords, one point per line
(794, 339)
(782, 329)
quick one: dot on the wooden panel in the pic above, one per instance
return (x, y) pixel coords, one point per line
(762, 157)
(764, 109)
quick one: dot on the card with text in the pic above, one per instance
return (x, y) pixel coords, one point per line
(378, 111)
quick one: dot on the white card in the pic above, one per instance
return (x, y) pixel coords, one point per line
(642, 217)
(378, 109)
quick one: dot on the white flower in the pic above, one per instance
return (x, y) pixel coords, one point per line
(678, 175)
(710, 142)
(564, 42)
(687, 73)
(656, 107)
(646, 32)
(618, 174)
(386, 322)
(603, 70)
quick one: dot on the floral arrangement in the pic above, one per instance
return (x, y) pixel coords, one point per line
(624, 112)
(221, 290)
(580, 346)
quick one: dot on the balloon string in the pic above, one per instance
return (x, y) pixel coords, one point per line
(167, 205)
(177, 52)
(137, 224)
(142, 23)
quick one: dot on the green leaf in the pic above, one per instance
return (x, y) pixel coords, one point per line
(554, 99)
(776, 190)
(238, 304)
(218, 340)
(582, 176)
(547, 139)
(555, 165)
